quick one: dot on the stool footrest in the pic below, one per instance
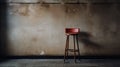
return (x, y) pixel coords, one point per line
(72, 50)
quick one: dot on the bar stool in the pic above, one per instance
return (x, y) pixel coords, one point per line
(72, 32)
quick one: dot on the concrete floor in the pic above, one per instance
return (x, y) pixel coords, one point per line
(60, 63)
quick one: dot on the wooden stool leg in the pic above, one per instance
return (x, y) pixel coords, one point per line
(66, 47)
(78, 46)
(74, 49)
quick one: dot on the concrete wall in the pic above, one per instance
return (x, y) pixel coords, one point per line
(38, 29)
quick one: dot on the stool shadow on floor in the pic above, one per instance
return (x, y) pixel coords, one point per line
(84, 38)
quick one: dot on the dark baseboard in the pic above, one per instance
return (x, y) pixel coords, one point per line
(61, 57)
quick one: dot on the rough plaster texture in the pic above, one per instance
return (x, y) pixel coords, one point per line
(38, 29)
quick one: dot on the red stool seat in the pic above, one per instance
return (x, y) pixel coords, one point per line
(70, 31)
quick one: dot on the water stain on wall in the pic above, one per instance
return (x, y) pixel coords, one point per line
(19, 9)
(34, 39)
(45, 5)
(75, 9)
